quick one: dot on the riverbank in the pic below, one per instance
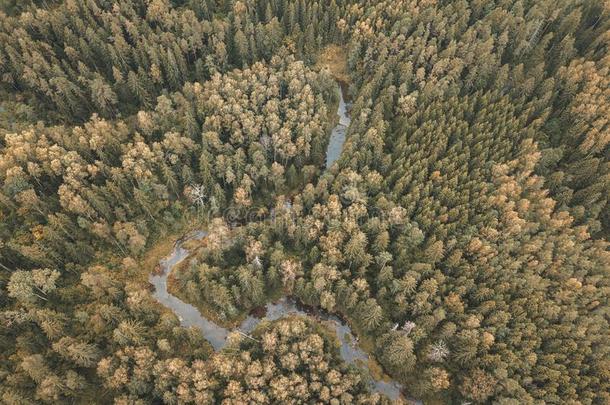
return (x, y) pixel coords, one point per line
(216, 329)
(217, 335)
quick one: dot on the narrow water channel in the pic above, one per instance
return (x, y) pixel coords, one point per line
(337, 136)
(217, 335)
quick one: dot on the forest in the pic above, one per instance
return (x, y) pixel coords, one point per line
(461, 235)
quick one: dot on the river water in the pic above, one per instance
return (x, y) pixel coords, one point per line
(217, 335)
(337, 136)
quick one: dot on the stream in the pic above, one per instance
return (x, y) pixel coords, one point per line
(217, 335)
(337, 136)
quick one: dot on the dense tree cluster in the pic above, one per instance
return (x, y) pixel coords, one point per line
(233, 271)
(64, 328)
(257, 128)
(544, 59)
(462, 233)
(83, 57)
(461, 109)
(520, 290)
(290, 361)
(67, 190)
(110, 186)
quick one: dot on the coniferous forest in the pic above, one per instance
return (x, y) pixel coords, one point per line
(459, 241)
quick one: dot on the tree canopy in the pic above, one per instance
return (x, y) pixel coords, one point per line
(462, 233)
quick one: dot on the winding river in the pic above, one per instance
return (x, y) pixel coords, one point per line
(217, 335)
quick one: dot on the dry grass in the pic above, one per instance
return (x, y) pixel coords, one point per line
(377, 371)
(157, 252)
(163, 247)
(334, 58)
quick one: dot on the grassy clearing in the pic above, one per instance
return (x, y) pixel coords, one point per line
(334, 58)
(164, 245)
